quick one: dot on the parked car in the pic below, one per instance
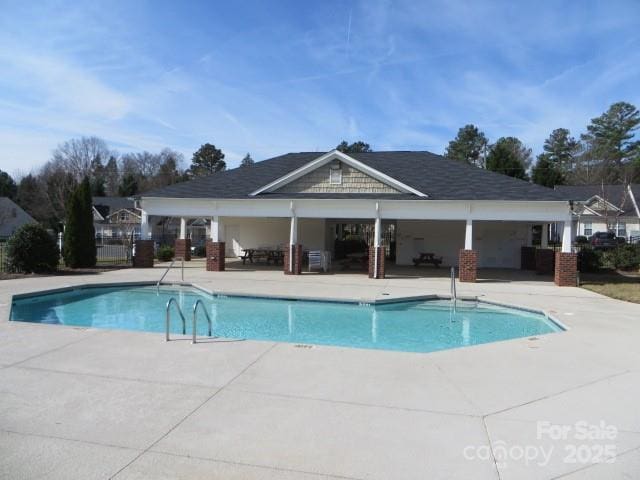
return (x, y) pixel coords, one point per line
(603, 240)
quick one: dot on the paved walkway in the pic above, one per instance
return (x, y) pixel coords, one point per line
(89, 403)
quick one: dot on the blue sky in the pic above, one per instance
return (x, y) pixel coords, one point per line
(273, 77)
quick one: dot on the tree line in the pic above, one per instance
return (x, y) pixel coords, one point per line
(46, 193)
(608, 152)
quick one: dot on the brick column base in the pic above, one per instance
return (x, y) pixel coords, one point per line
(544, 261)
(566, 269)
(297, 260)
(144, 254)
(527, 258)
(372, 264)
(183, 249)
(468, 265)
(215, 256)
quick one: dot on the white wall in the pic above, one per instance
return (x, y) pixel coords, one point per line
(497, 243)
(312, 233)
(243, 232)
(440, 237)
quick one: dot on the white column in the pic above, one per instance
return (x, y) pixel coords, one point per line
(216, 230)
(567, 239)
(377, 236)
(468, 235)
(544, 237)
(144, 226)
(183, 228)
(293, 239)
(293, 234)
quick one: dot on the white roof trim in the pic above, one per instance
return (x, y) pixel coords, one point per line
(95, 211)
(633, 200)
(328, 157)
(593, 212)
(128, 210)
(613, 207)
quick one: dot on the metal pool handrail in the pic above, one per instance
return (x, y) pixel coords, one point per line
(453, 284)
(169, 268)
(195, 318)
(168, 317)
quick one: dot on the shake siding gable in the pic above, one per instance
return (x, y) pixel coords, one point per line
(353, 181)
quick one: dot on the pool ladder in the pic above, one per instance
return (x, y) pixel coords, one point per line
(173, 301)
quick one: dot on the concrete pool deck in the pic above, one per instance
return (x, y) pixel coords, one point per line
(90, 403)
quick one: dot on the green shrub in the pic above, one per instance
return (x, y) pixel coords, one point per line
(589, 260)
(581, 240)
(623, 257)
(79, 247)
(165, 253)
(32, 250)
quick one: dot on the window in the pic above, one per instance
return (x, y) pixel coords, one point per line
(622, 229)
(587, 229)
(335, 176)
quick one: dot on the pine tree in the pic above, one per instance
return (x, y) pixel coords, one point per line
(247, 161)
(355, 147)
(207, 160)
(79, 247)
(470, 146)
(509, 157)
(546, 172)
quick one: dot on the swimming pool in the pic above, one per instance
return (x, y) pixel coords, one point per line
(413, 326)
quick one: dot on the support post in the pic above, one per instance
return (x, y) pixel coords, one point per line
(468, 257)
(468, 235)
(144, 226)
(215, 247)
(182, 248)
(376, 253)
(567, 236)
(293, 254)
(544, 236)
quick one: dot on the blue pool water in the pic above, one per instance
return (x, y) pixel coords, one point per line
(415, 326)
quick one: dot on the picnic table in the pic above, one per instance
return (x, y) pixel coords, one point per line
(269, 255)
(427, 257)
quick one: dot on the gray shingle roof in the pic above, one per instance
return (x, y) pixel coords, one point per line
(615, 194)
(434, 175)
(12, 217)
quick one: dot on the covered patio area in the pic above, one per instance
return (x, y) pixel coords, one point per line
(413, 239)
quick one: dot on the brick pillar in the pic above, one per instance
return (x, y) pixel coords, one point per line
(215, 256)
(544, 261)
(527, 258)
(297, 260)
(468, 265)
(566, 269)
(183, 249)
(144, 254)
(372, 266)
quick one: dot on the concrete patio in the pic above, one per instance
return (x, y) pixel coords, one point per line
(89, 403)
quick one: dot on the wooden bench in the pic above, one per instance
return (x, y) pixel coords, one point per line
(427, 257)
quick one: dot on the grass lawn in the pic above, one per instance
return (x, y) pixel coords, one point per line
(620, 285)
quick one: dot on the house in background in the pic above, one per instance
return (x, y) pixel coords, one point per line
(116, 218)
(12, 217)
(605, 208)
